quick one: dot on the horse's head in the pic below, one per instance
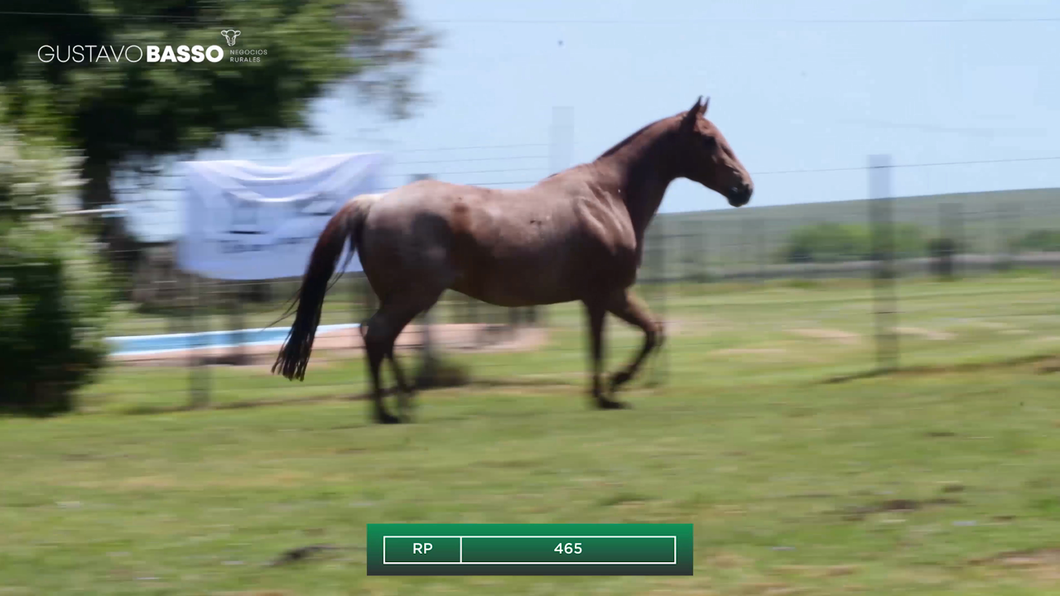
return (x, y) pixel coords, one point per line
(704, 156)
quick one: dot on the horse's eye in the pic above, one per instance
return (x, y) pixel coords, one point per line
(710, 142)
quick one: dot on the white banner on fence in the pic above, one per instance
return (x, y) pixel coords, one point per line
(244, 221)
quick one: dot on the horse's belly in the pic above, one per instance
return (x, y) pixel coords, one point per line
(548, 273)
(508, 254)
(516, 282)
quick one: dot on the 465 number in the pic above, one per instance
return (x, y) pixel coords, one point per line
(569, 548)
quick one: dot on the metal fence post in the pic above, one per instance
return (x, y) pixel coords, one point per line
(235, 304)
(428, 359)
(762, 252)
(953, 228)
(657, 255)
(199, 379)
(704, 246)
(884, 297)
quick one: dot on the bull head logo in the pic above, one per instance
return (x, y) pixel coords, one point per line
(230, 36)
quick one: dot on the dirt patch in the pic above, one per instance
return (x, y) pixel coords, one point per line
(750, 351)
(1042, 364)
(296, 555)
(986, 324)
(892, 505)
(940, 434)
(348, 343)
(257, 593)
(818, 571)
(926, 333)
(837, 335)
(1044, 564)
(769, 589)
(726, 560)
(1048, 366)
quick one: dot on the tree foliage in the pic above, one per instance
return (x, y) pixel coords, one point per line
(125, 115)
(1040, 241)
(53, 289)
(833, 242)
(120, 111)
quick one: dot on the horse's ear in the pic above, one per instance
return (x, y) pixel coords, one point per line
(693, 114)
(703, 110)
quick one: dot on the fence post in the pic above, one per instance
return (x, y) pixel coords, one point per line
(810, 267)
(560, 157)
(746, 231)
(235, 305)
(704, 246)
(199, 379)
(427, 374)
(356, 309)
(1016, 232)
(1003, 260)
(657, 258)
(886, 304)
(953, 228)
(762, 253)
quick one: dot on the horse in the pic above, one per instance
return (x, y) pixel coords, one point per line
(577, 235)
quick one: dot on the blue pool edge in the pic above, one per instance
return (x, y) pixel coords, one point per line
(116, 341)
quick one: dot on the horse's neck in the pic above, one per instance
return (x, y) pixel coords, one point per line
(639, 172)
(643, 199)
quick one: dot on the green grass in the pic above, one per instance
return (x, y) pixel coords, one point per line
(794, 485)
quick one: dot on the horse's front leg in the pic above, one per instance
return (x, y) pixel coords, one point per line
(632, 310)
(596, 312)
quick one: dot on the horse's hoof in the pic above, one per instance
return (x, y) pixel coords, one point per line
(387, 418)
(611, 404)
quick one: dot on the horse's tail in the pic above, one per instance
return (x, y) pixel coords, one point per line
(347, 223)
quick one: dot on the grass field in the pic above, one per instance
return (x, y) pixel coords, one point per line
(941, 479)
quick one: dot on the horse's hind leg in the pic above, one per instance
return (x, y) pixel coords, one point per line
(632, 310)
(405, 390)
(375, 334)
(383, 330)
(597, 312)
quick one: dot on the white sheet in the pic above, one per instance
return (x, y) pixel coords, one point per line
(246, 221)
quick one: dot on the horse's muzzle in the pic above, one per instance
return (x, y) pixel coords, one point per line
(740, 195)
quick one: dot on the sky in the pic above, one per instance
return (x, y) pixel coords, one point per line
(794, 86)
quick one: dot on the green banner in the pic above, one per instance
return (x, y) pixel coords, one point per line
(529, 549)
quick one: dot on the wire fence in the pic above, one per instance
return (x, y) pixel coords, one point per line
(180, 340)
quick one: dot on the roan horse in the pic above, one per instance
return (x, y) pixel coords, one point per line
(576, 235)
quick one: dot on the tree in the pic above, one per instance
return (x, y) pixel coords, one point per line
(124, 114)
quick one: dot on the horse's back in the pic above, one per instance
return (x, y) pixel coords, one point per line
(504, 220)
(502, 246)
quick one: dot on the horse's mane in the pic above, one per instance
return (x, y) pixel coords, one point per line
(613, 149)
(629, 139)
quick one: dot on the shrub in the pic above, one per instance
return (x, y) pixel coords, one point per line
(827, 243)
(1040, 241)
(832, 243)
(53, 289)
